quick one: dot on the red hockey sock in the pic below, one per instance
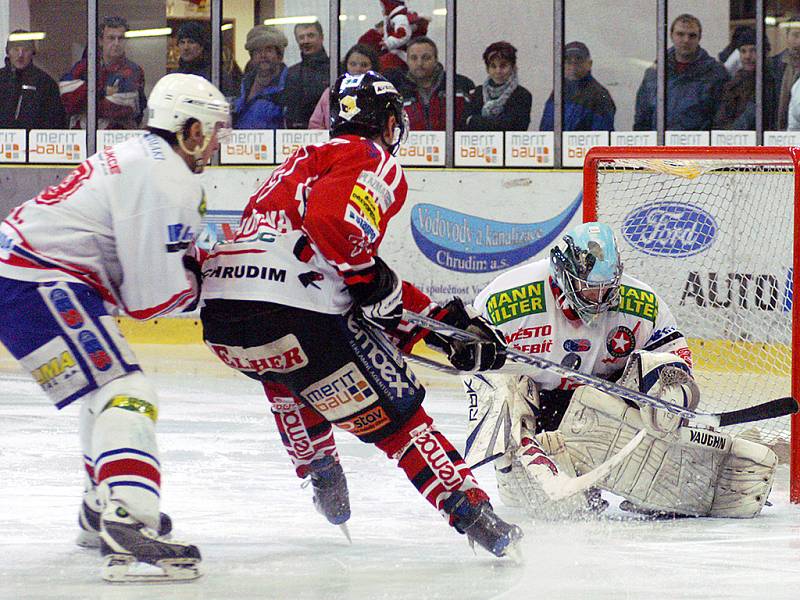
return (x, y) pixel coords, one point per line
(305, 434)
(429, 460)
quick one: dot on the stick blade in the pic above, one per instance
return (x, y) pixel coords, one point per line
(779, 407)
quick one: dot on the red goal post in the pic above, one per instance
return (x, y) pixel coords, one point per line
(715, 231)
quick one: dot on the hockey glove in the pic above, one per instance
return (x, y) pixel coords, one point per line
(485, 355)
(193, 273)
(379, 301)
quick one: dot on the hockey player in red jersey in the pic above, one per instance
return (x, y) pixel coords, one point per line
(300, 301)
(113, 234)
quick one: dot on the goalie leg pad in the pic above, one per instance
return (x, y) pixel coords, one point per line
(661, 475)
(532, 470)
(507, 485)
(745, 480)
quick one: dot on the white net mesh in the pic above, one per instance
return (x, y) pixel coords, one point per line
(714, 238)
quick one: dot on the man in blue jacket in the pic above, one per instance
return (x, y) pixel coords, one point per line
(587, 104)
(261, 104)
(694, 82)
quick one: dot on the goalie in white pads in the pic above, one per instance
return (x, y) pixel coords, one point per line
(542, 431)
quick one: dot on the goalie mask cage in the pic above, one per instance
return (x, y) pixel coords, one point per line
(714, 230)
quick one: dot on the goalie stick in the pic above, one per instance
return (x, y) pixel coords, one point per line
(779, 407)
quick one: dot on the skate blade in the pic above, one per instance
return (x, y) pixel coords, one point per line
(122, 568)
(88, 539)
(513, 552)
(346, 532)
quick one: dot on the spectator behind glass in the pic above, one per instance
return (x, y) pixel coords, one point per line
(120, 83)
(785, 68)
(260, 105)
(729, 56)
(500, 104)
(587, 104)
(359, 59)
(423, 88)
(737, 107)
(29, 97)
(307, 79)
(694, 82)
(193, 40)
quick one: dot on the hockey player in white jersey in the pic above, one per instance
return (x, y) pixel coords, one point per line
(580, 310)
(111, 238)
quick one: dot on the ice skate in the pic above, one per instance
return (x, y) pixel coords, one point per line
(89, 522)
(331, 498)
(471, 513)
(129, 547)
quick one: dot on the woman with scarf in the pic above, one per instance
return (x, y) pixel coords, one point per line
(500, 104)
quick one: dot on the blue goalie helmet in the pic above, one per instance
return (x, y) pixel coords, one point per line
(586, 266)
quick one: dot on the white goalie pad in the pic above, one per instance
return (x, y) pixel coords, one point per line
(501, 428)
(500, 406)
(689, 471)
(502, 424)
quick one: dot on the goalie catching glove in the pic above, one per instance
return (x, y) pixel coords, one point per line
(485, 355)
(378, 296)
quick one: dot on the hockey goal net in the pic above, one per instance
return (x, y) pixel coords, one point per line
(714, 231)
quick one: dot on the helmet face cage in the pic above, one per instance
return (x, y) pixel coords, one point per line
(595, 268)
(361, 105)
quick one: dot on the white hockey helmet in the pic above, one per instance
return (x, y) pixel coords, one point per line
(177, 97)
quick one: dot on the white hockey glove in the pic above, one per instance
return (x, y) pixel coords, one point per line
(485, 355)
(380, 301)
(663, 375)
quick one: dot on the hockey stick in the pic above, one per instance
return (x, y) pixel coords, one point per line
(558, 488)
(768, 410)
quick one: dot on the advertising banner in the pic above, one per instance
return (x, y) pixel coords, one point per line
(250, 147)
(422, 149)
(109, 137)
(577, 144)
(686, 138)
(289, 140)
(479, 149)
(12, 145)
(634, 138)
(731, 137)
(530, 149)
(56, 145)
(782, 138)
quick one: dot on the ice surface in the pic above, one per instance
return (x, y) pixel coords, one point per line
(229, 488)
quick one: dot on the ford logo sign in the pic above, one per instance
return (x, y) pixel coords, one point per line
(673, 229)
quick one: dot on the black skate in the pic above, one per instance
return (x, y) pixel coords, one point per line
(124, 541)
(331, 498)
(471, 513)
(89, 522)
